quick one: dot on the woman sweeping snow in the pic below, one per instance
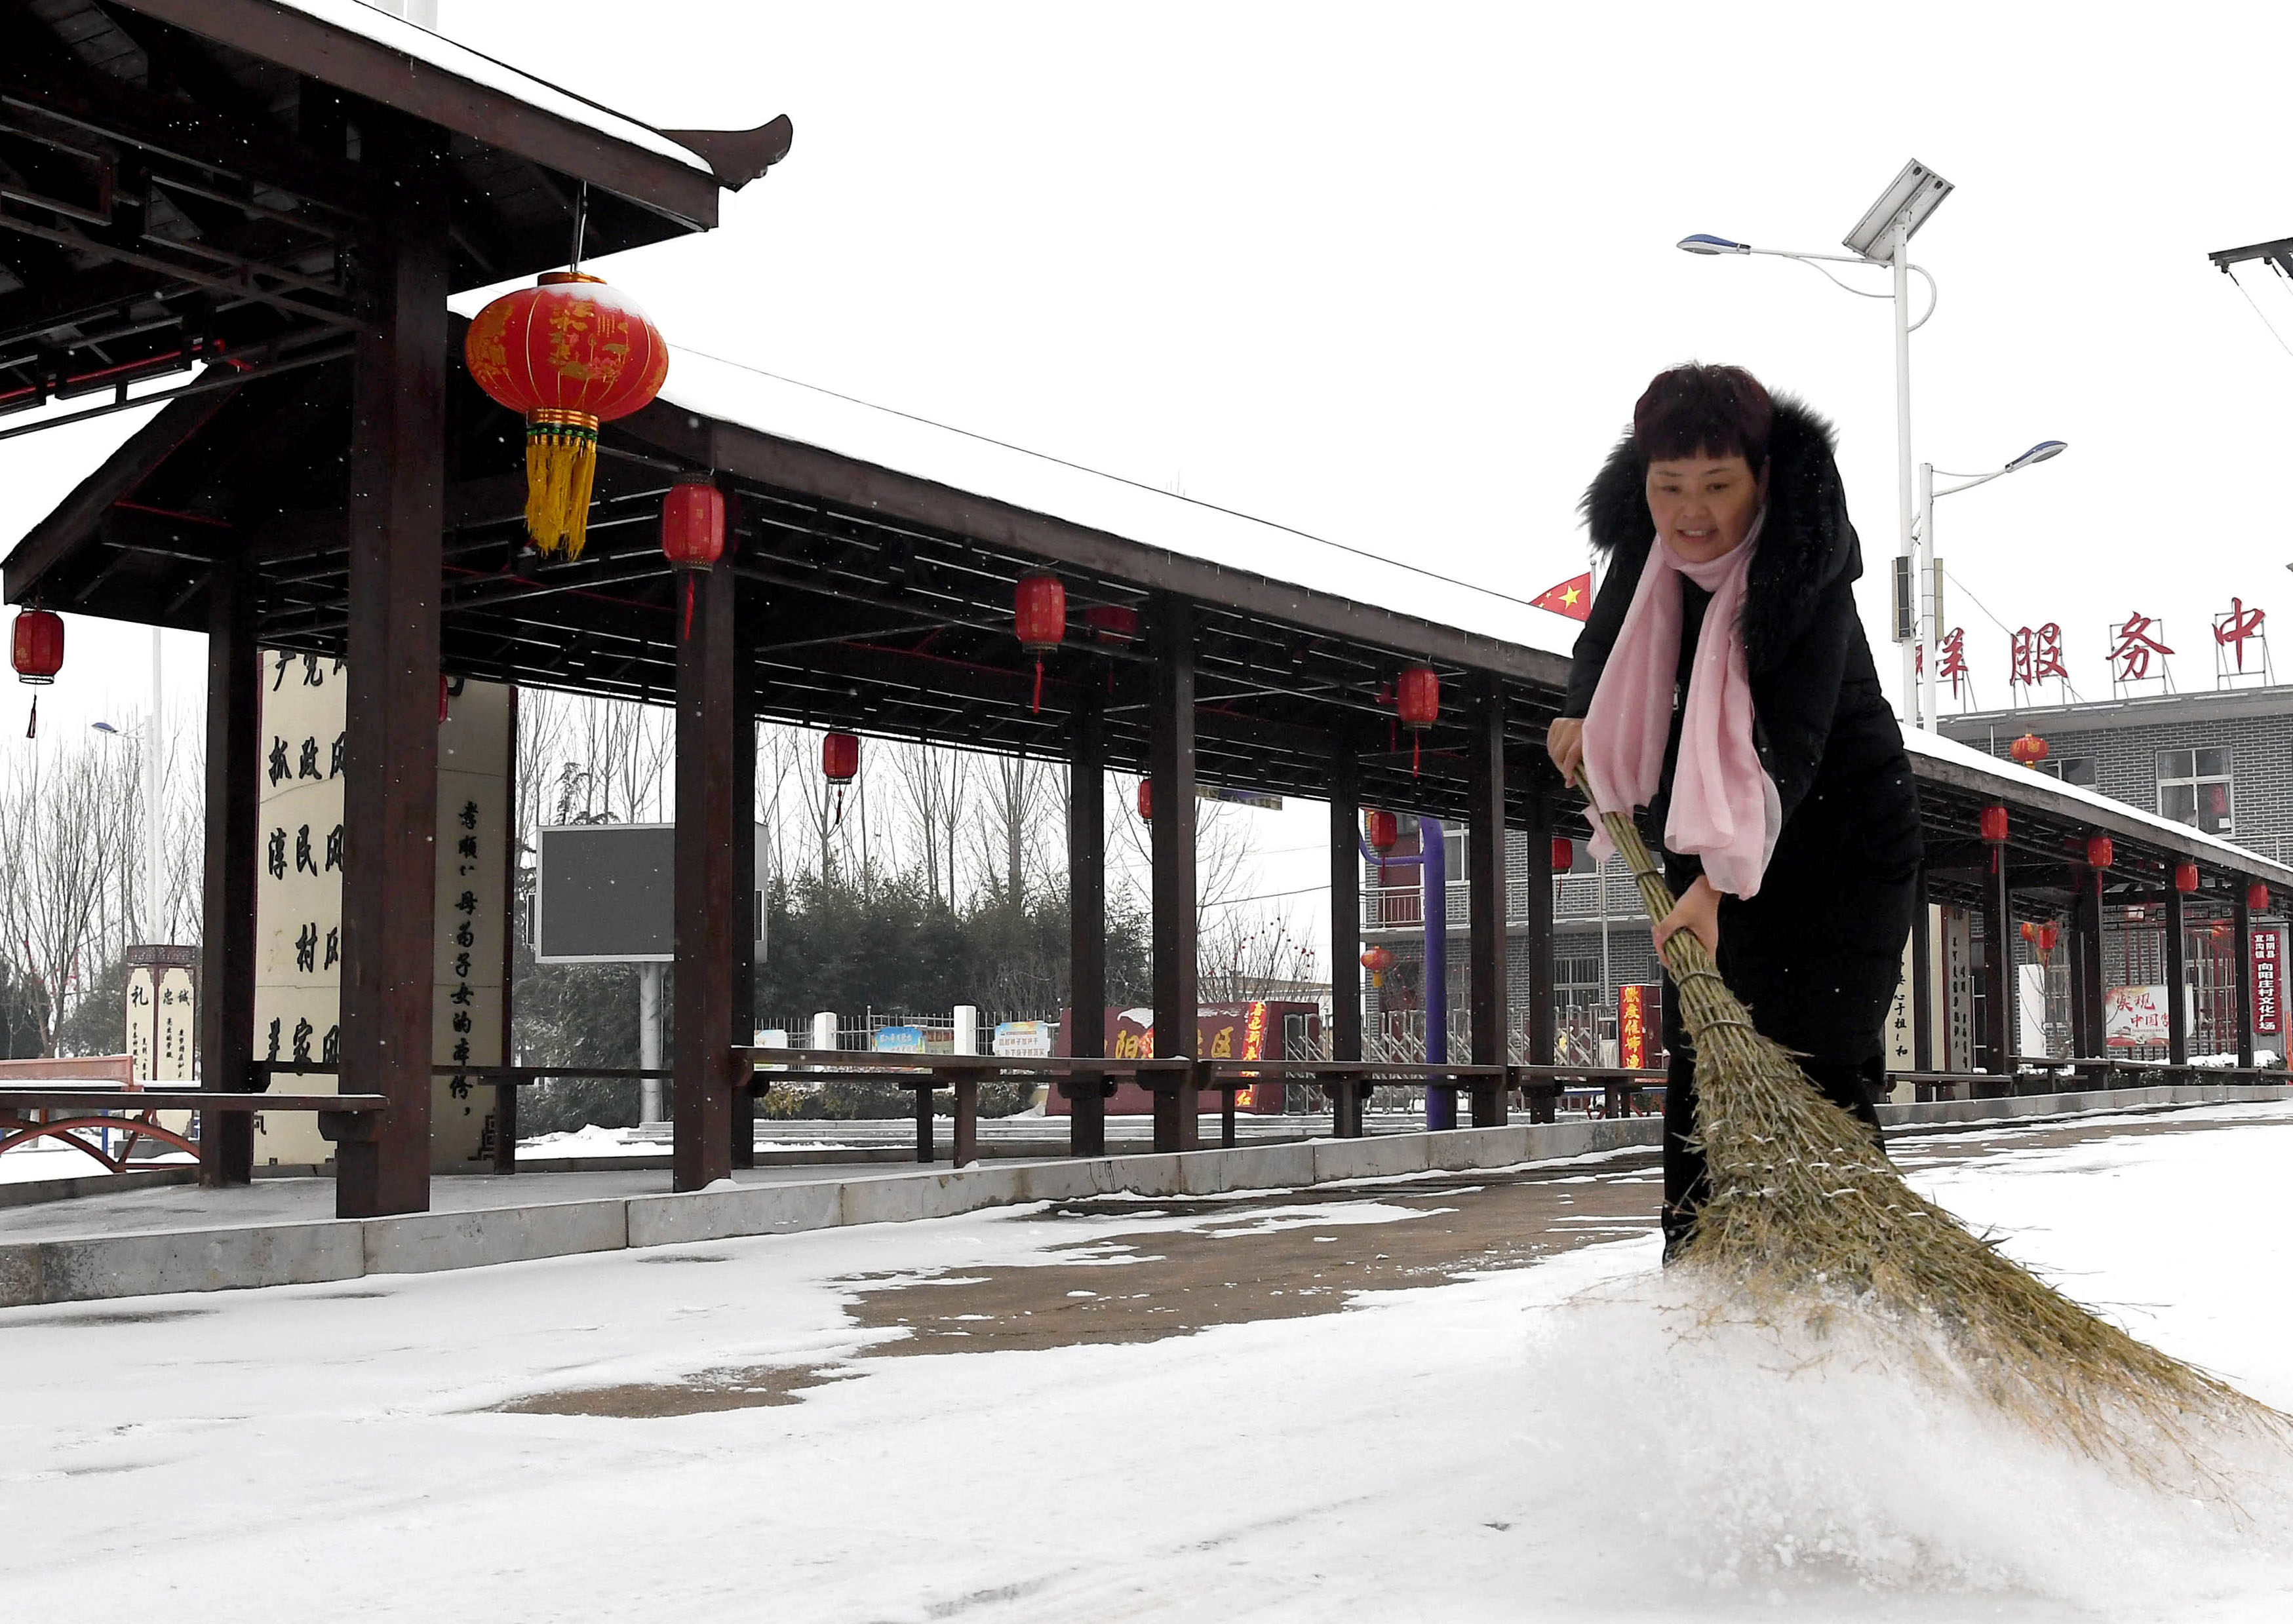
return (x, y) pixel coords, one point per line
(1723, 682)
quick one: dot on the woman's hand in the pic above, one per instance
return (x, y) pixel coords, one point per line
(1564, 741)
(1697, 912)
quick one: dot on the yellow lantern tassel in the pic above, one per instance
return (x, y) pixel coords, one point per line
(561, 470)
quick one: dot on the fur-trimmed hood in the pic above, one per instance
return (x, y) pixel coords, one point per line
(1805, 545)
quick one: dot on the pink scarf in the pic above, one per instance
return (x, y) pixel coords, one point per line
(1724, 807)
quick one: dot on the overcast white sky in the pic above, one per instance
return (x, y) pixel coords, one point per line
(1395, 274)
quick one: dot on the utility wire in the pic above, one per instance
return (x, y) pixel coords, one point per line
(2257, 311)
(1232, 512)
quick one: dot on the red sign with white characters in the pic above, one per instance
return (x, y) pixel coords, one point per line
(2268, 955)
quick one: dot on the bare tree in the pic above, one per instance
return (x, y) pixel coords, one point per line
(1014, 797)
(935, 787)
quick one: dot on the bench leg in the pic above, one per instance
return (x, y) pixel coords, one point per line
(1226, 1119)
(967, 1121)
(924, 1152)
(1086, 1099)
(1489, 1104)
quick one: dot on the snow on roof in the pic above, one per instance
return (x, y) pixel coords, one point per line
(411, 39)
(2009, 776)
(1137, 513)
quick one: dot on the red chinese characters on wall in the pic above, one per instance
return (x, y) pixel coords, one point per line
(1951, 665)
(1639, 1022)
(2235, 629)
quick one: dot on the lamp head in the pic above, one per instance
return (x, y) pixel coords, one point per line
(2038, 453)
(103, 727)
(1704, 242)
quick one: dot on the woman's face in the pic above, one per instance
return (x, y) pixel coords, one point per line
(1702, 506)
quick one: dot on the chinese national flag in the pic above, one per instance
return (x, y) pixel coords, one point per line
(1572, 598)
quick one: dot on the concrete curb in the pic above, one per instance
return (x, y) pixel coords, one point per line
(336, 1249)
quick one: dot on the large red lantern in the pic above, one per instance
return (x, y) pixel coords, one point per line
(1994, 825)
(1039, 615)
(2099, 852)
(1564, 854)
(840, 763)
(2257, 898)
(571, 353)
(1377, 961)
(2185, 877)
(1417, 697)
(2027, 751)
(693, 532)
(37, 650)
(1383, 830)
(1146, 800)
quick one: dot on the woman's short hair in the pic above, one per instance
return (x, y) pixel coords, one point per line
(1714, 411)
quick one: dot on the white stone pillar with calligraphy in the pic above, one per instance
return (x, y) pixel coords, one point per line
(299, 906)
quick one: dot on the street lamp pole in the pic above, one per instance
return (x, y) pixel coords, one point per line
(1929, 587)
(1897, 244)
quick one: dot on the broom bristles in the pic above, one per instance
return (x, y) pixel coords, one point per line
(1807, 1218)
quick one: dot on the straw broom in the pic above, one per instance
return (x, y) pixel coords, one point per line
(1807, 1218)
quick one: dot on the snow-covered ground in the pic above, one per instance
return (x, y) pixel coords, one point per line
(1549, 1442)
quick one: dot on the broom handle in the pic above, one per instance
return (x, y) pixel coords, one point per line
(1706, 1004)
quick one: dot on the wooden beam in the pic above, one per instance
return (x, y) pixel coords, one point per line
(702, 1053)
(2088, 1016)
(1998, 959)
(1171, 765)
(1484, 899)
(1087, 918)
(1542, 1018)
(397, 442)
(226, 1010)
(2178, 976)
(746, 902)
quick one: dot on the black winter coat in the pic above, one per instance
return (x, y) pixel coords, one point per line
(1818, 952)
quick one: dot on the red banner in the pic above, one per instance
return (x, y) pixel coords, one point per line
(1639, 1025)
(1573, 597)
(2268, 954)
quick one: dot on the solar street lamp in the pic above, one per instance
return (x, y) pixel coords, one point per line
(1882, 237)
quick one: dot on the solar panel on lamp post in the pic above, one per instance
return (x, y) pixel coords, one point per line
(1882, 237)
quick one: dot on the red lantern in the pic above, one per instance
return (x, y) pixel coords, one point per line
(2257, 898)
(1110, 622)
(1039, 615)
(692, 531)
(2185, 877)
(1564, 854)
(2029, 933)
(1994, 825)
(37, 648)
(1384, 831)
(2027, 751)
(1417, 697)
(571, 353)
(840, 763)
(2099, 852)
(2048, 934)
(1146, 800)
(1377, 961)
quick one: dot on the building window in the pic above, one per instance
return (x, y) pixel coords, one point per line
(2193, 787)
(2077, 769)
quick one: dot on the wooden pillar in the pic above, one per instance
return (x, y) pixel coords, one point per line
(2086, 961)
(1171, 765)
(701, 1010)
(2242, 962)
(1923, 990)
(390, 813)
(1542, 1018)
(2177, 975)
(1997, 962)
(1345, 934)
(226, 1009)
(1485, 902)
(747, 921)
(506, 1091)
(1087, 918)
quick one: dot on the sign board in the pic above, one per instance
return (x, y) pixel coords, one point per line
(2030, 1009)
(606, 893)
(160, 1029)
(2268, 988)
(2135, 1017)
(1639, 1025)
(1254, 1030)
(1258, 798)
(1023, 1039)
(1955, 941)
(899, 1040)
